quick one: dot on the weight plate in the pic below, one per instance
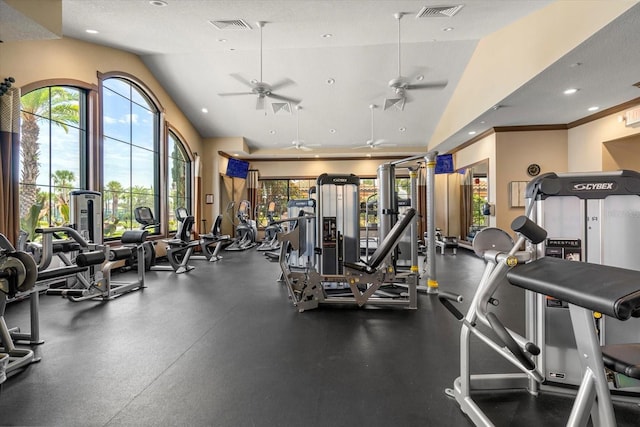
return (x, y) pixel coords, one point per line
(491, 239)
(31, 270)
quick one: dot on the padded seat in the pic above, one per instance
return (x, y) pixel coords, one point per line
(609, 290)
(387, 245)
(623, 358)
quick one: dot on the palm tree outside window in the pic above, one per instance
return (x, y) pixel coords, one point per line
(179, 179)
(130, 154)
(52, 155)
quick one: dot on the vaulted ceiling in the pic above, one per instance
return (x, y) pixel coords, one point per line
(335, 59)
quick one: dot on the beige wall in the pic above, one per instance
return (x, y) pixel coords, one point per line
(503, 61)
(312, 168)
(585, 142)
(514, 152)
(33, 61)
(623, 153)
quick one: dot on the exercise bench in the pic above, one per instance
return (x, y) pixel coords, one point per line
(588, 289)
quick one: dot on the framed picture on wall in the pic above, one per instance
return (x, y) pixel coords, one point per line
(517, 190)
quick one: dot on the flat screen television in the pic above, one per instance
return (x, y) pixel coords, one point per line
(444, 163)
(237, 168)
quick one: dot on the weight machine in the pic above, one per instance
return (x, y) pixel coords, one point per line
(18, 273)
(341, 277)
(589, 292)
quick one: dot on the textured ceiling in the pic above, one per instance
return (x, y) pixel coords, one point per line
(188, 56)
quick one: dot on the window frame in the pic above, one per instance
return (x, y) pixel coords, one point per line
(159, 146)
(86, 128)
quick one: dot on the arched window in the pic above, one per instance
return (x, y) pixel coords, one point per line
(178, 179)
(130, 154)
(53, 154)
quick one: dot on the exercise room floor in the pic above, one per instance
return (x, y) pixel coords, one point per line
(222, 346)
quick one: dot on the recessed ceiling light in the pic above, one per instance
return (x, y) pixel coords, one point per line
(316, 156)
(570, 91)
(236, 154)
(327, 35)
(447, 29)
(402, 129)
(331, 81)
(272, 131)
(204, 110)
(594, 108)
(332, 130)
(473, 132)
(159, 3)
(420, 78)
(222, 40)
(482, 122)
(368, 154)
(92, 31)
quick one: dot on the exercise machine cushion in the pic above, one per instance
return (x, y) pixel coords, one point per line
(386, 246)
(612, 291)
(66, 246)
(134, 236)
(54, 273)
(86, 259)
(623, 358)
(121, 253)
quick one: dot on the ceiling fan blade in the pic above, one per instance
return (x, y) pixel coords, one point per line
(242, 80)
(282, 84)
(235, 93)
(284, 98)
(260, 103)
(434, 85)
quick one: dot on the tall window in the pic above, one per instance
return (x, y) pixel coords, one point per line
(280, 191)
(130, 155)
(52, 154)
(178, 179)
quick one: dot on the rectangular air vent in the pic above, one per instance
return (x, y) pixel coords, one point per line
(281, 108)
(439, 11)
(231, 24)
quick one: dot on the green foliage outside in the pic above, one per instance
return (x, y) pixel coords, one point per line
(478, 217)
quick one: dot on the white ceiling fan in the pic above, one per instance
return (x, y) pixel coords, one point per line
(373, 143)
(260, 88)
(401, 84)
(297, 143)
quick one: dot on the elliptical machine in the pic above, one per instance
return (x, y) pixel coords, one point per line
(246, 230)
(270, 242)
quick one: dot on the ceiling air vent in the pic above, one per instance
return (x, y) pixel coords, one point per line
(281, 108)
(439, 11)
(231, 24)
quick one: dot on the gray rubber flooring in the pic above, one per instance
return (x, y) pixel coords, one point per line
(222, 346)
